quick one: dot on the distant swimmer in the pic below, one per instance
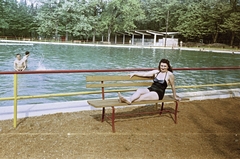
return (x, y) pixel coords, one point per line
(25, 58)
(19, 64)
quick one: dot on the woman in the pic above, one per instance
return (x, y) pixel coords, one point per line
(163, 77)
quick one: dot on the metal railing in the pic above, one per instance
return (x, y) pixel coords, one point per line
(15, 97)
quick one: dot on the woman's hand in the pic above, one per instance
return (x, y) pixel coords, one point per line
(177, 98)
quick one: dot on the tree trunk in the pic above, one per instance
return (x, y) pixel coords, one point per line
(66, 36)
(232, 39)
(56, 33)
(215, 36)
(87, 38)
(94, 36)
(109, 34)
(233, 4)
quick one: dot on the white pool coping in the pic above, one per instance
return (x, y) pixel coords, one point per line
(32, 110)
(17, 42)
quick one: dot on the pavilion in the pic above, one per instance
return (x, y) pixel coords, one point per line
(144, 33)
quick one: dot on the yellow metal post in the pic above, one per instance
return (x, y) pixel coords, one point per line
(15, 100)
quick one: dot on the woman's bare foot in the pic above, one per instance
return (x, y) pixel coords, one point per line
(122, 99)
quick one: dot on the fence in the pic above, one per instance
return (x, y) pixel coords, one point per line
(15, 97)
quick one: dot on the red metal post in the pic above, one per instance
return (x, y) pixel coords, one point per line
(176, 110)
(161, 110)
(113, 119)
(103, 97)
(103, 114)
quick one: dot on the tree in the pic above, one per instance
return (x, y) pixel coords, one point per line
(214, 18)
(15, 18)
(202, 19)
(156, 14)
(232, 24)
(4, 10)
(83, 19)
(211, 20)
(95, 8)
(48, 18)
(119, 15)
(189, 22)
(70, 17)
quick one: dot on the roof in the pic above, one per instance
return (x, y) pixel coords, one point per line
(148, 32)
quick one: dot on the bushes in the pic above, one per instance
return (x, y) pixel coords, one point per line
(213, 45)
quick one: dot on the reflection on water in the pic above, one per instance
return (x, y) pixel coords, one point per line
(64, 57)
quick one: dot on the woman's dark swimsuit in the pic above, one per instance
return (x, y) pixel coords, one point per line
(159, 86)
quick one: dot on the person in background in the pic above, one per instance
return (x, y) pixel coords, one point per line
(163, 76)
(19, 64)
(25, 58)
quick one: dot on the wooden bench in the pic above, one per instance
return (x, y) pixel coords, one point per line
(109, 84)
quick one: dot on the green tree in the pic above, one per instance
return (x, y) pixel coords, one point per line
(15, 18)
(95, 8)
(82, 19)
(202, 19)
(210, 20)
(232, 24)
(157, 14)
(120, 15)
(4, 11)
(48, 18)
(70, 17)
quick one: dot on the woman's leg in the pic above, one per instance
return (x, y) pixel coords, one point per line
(148, 96)
(138, 93)
(135, 96)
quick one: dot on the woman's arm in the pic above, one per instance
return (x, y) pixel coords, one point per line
(24, 66)
(171, 79)
(144, 74)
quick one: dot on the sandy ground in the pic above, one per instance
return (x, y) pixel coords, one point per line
(205, 129)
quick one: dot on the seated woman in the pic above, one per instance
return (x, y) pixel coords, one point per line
(163, 77)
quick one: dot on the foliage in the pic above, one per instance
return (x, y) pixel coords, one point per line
(119, 16)
(210, 20)
(15, 18)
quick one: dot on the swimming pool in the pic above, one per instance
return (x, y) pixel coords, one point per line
(66, 57)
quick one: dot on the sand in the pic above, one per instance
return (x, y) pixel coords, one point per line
(205, 129)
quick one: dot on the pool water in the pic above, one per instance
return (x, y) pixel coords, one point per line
(68, 57)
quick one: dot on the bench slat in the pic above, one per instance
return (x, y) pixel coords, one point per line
(115, 102)
(118, 84)
(115, 78)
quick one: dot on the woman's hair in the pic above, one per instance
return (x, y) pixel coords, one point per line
(167, 62)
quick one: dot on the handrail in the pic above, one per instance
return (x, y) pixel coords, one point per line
(110, 91)
(117, 70)
(16, 97)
